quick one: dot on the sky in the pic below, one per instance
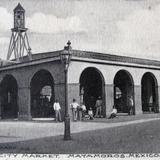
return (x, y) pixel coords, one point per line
(119, 27)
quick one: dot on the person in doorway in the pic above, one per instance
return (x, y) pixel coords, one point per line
(74, 106)
(57, 108)
(98, 107)
(113, 113)
(90, 113)
(92, 104)
(79, 113)
(83, 107)
(130, 101)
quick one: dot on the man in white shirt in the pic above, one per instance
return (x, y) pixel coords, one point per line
(74, 106)
(130, 105)
(113, 113)
(83, 108)
(90, 113)
(57, 108)
(98, 106)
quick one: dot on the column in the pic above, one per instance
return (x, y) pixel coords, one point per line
(24, 103)
(73, 92)
(109, 90)
(1, 99)
(138, 99)
(59, 91)
(158, 96)
(0, 105)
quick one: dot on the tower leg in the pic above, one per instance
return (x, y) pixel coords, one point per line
(19, 44)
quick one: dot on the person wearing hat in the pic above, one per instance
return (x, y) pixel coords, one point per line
(57, 108)
(98, 107)
(74, 106)
(130, 105)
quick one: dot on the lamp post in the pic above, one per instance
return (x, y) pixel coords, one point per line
(65, 56)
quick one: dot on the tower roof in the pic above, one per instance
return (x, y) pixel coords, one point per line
(19, 8)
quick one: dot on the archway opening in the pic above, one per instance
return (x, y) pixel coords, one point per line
(92, 87)
(9, 92)
(42, 94)
(149, 93)
(123, 91)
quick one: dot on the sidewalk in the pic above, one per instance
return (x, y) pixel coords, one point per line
(14, 131)
(126, 118)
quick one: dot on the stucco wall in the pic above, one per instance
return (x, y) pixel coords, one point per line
(109, 71)
(24, 75)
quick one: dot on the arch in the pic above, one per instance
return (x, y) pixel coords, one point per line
(149, 93)
(8, 96)
(92, 86)
(42, 94)
(124, 92)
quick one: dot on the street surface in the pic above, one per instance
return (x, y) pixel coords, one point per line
(123, 134)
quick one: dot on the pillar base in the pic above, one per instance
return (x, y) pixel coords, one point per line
(25, 117)
(107, 114)
(67, 134)
(138, 112)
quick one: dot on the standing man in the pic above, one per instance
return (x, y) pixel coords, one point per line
(74, 106)
(131, 105)
(98, 107)
(57, 108)
(83, 111)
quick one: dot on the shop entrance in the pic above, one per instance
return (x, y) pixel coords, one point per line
(92, 87)
(123, 91)
(42, 94)
(149, 90)
(9, 106)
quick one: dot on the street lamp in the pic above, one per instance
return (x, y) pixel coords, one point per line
(65, 56)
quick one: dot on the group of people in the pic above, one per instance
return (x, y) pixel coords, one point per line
(130, 108)
(79, 112)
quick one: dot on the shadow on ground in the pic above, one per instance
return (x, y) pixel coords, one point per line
(135, 138)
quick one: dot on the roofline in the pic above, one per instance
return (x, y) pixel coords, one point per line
(84, 56)
(19, 6)
(116, 55)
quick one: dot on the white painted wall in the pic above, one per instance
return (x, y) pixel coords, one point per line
(108, 72)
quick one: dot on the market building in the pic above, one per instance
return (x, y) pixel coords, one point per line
(29, 88)
(30, 84)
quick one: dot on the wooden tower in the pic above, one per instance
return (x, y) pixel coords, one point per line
(19, 44)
